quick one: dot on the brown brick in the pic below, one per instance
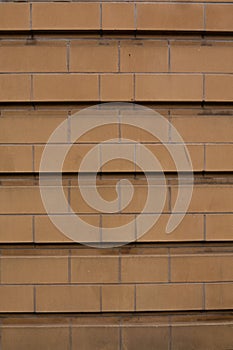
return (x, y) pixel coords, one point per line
(14, 16)
(201, 268)
(145, 337)
(202, 336)
(219, 87)
(118, 152)
(168, 297)
(171, 87)
(194, 57)
(219, 157)
(114, 221)
(219, 227)
(63, 87)
(38, 269)
(203, 129)
(94, 56)
(35, 338)
(219, 296)
(223, 13)
(170, 16)
(191, 228)
(100, 337)
(118, 16)
(14, 88)
(15, 229)
(67, 298)
(144, 56)
(15, 159)
(114, 87)
(139, 269)
(33, 57)
(63, 16)
(16, 299)
(94, 269)
(118, 298)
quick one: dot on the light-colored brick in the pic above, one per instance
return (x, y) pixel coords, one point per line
(14, 16)
(16, 299)
(16, 159)
(219, 296)
(219, 227)
(117, 298)
(15, 228)
(15, 88)
(114, 87)
(118, 16)
(219, 17)
(219, 87)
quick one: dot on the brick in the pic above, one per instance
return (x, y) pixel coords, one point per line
(14, 88)
(143, 56)
(145, 337)
(100, 337)
(219, 227)
(65, 16)
(48, 56)
(219, 157)
(33, 338)
(196, 57)
(118, 16)
(117, 298)
(94, 56)
(171, 87)
(16, 299)
(170, 17)
(61, 87)
(201, 268)
(15, 228)
(115, 221)
(224, 15)
(209, 198)
(15, 159)
(119, 154)
(143, 269)
(203, 336)
(219, 296)
(218, 87)
(203, 129)
(114, 87)
(168, 297)
(37, 270)
(191, 228)
(94, 269)
(67, 299)
(29, 129)
(14, 16)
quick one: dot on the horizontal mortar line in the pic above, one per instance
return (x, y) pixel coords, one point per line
(78, 73)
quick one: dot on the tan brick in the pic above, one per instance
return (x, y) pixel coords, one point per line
(209, 198)
(94, 56)
(197, 57)
(191, 228)
(218, 87)
(15, 159)
(35, 338)
(143, 56)
(118, 16)
(219, 227)
(38, 269)
(219, 296)
(223, 13)
(170, 16)
(94, 269)
(98, 338)
(63, 16)
(115, 221)
(15, 229)
(219, 157)
(33, 56)
(61, 87)
(67, 298)
(14, 88)
(114, 87)
(201, 268)
(171, 87)
(168, 297)
(137, 337)
(119, 154)
(118, 298)
(16, 299)
(14, 16)
(143, 269)
(203, 129)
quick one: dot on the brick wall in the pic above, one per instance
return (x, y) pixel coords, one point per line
(162, 291)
